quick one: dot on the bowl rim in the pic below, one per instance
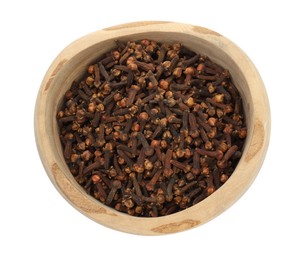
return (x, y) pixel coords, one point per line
(198, 214)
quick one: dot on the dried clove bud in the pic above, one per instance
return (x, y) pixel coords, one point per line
(152, 128)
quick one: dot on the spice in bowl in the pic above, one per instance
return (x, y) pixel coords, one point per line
(152, 128)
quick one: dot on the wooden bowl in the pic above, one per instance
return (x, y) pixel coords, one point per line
(70, 65)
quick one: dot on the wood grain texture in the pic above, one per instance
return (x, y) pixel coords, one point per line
(75, 197)
(176, 227)
(53, 74)
(70, 64)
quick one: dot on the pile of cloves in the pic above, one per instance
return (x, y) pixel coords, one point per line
(152, 128)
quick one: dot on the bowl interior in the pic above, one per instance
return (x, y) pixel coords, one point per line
(78, 64)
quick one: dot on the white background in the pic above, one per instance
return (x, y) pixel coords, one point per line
(37, 223)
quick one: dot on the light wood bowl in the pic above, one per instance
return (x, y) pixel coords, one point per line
(70, 65)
